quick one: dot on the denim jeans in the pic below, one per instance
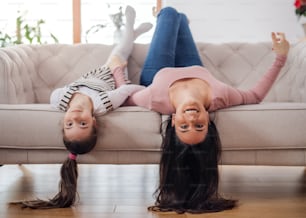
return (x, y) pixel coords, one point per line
(172, 45)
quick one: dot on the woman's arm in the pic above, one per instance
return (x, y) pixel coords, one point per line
(281, 47)
(258, 92)
(141, 98)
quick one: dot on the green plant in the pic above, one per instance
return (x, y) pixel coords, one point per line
(25, 33)
(5, 39)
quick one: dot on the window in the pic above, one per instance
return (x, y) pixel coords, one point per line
(69, 20)
(57, 15)
(95, 13)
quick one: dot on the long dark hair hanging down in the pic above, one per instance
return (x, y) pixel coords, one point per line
(189, 176)
(67, 194)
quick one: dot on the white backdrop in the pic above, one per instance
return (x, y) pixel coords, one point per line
(210, 20)
(239, 20)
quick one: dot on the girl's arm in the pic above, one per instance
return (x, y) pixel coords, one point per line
(118, 96)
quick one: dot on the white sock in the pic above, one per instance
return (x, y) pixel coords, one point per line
(124, 48)
(142, 28)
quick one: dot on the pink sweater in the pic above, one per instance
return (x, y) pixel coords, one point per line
(155, 97)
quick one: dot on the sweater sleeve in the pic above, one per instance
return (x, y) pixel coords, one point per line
(262, 87)
(56, 96)
(119, 95)
(258, 92)
(119, 76)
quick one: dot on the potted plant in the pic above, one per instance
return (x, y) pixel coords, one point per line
(25, 33)
(300, 11)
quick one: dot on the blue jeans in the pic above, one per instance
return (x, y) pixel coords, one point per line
(172, 45)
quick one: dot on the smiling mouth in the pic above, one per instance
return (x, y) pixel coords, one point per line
(191, 110)
(77, 110)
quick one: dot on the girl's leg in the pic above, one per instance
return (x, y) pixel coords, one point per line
(163, 45)
(118, 58)
(186, 53)
(124, 48)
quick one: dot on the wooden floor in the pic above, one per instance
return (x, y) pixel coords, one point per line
(125, 191)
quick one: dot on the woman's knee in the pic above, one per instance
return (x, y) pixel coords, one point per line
(168, 11)
(172, 12)
(184, 18)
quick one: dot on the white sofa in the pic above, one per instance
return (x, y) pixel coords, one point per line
(271, 133)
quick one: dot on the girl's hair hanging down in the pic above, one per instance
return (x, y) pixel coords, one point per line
(67, 194)
(189, 176)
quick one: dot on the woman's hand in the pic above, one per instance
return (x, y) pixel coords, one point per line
(279, 43)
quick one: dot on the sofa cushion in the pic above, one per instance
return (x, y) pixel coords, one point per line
(30, 126)
(139, 129)
(262, 126)
(38, 126)
(17, 63)
(247, 127)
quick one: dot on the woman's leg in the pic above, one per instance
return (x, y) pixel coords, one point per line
(172, 45)
(186, 53)
(163, 45)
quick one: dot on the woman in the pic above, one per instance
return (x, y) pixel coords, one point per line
(91, 95)
(179, 85)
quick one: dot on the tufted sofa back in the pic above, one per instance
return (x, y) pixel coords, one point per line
(29, 73)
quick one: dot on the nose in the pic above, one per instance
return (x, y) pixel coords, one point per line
(75, 116)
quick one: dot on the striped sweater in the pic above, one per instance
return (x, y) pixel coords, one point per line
(95, 83)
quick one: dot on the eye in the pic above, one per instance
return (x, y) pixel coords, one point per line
(69, 124)
(83, 123)
(184, 126)
(199, 126)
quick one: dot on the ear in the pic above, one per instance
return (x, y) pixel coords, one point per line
(94, 122)
(208, 117)
(173, 120)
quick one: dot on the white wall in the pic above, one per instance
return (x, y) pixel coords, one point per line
(210, 20)
(239, 20)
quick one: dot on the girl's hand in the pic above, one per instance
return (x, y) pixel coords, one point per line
(279, 43)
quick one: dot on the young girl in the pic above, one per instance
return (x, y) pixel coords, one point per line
(95, 93)
(179, 85)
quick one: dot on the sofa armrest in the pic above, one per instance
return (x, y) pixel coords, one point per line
(16, 63)
(296, 68)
